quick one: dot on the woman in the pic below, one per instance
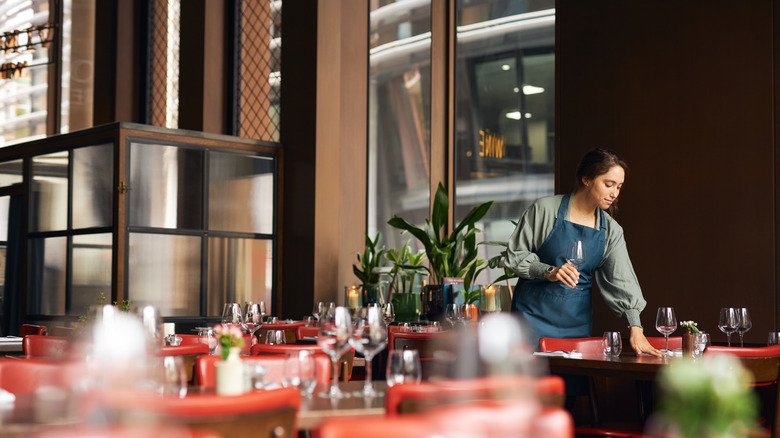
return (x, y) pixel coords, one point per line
(555, 296)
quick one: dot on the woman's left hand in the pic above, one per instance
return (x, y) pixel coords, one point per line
(640, 344)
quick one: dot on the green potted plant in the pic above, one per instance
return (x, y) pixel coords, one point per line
(405, 273)
(368, 272)
(449, 255)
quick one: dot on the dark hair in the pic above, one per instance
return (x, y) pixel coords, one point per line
(598, 162)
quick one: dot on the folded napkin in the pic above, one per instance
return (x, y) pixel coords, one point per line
(559, 353)
(6, 398)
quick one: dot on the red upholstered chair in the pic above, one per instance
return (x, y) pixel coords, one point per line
(45, 346)
(20, 376)
(189, 354)
(424, 343)
(772, 350)
(30, 329)
(306, 332)
(409, 426)
(414, 398)
(250, 415)
(188, 339)
(126, 431)
(346, 360)
(205, 374)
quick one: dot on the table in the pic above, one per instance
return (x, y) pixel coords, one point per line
(643, 369)
(315, 409)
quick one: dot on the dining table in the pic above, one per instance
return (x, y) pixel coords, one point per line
(314, 409)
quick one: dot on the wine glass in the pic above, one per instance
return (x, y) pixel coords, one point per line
(666, 323)
(231, 314)
(253, 319)
(452, 314)
(389, 313)
(369, 338)
(575, 256)
(403, 366)
(728, 322)
(209, 337)
(300, 371)
(773, 339)
(319, 309)
(333, 338)
(701, 341)
(744, 324)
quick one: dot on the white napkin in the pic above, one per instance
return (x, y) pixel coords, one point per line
(559, 353)
(6, 398)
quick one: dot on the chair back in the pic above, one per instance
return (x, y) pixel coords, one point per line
(345, 362)
(306, 332)
(45, 346)
(659, 342)
(20, 376)
(582, 345)
(424, 343)
(188, 339)
(30, 329)
(205, 371)
(420, 397)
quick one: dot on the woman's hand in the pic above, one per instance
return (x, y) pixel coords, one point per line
(640, 344)
(566, 274)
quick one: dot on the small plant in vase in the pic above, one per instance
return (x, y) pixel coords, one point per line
(406, 270)
(230, 338)
(371, 265)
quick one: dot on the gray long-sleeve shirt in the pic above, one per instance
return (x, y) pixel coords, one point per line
(614, 275)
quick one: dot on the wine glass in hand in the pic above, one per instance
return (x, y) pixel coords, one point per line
(333, 338)
(744, 324)
(575, 256)
(666, 323)
(728, 322)
(369, 338)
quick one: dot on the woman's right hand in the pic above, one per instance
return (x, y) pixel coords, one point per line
(566, 274)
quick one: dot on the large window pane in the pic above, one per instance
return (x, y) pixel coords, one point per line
(505, 111)
(10, 173)
(241, 193)
(240, 270)
(91, 271)
(47, 276)
(93, 180)
(49, 202)
(164, 271)
(399, 115)
(166, 186)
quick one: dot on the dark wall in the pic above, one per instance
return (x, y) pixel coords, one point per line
(684, 92)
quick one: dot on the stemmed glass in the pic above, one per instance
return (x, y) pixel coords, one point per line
(452, 314)
(575, 256)
(231, 314)
(253, 319)
(333, 338)
(666, 323)
(728, 322)
(207, 336)
(744, 324)
(389, 313)
(369, 338)
(319, 309)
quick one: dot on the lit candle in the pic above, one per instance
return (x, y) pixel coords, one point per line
(353, 299)
(490, 299)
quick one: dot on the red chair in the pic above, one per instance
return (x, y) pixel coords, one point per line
(184, 350)
(411, 426)
(126, 431)
(45, 346)
(306, 332)
(424, 343)
(205, 374)
(415, 398)
(582, 345)
(21, 376)
(188, 339)
(30, 329)
(757, 352)
(250, 415)
(346, 360)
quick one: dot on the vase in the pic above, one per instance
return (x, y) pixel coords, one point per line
(230, 374)
(688, 342)
(407, 306)
(372, 294)
(433, 302)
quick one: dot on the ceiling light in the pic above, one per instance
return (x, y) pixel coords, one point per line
(516, 90)
(505, 67)
(514, 115)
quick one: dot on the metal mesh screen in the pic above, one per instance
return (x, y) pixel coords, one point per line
(163, 97)
(258, 69)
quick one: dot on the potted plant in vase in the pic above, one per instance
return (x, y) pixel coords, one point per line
(371, 265)
(449, 255)
(405, 273)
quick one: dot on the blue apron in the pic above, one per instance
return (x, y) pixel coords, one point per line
(552, 309)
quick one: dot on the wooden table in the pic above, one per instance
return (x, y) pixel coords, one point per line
(315, 409)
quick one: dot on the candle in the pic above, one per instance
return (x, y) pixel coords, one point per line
(490, 299)
(169, 328)
(353, 298)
